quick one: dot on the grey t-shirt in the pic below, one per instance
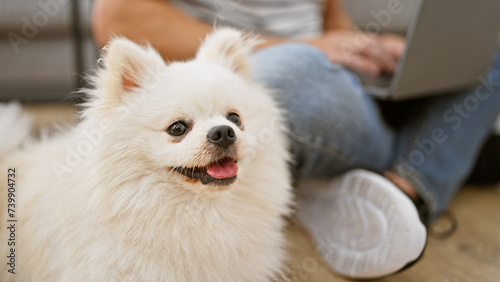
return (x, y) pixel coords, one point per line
(284, 18)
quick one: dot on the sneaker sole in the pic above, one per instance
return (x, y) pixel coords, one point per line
(363, 225)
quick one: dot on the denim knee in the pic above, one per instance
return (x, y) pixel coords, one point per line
(331, 120)
(279, 65)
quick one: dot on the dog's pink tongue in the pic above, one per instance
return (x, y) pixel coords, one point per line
(223, 169)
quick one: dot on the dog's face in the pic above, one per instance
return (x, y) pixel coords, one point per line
(195, 123)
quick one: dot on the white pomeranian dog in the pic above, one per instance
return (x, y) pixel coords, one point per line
(176, 172)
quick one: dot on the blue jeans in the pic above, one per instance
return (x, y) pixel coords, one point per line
(335, 126)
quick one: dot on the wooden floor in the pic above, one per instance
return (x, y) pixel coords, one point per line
(471, 253)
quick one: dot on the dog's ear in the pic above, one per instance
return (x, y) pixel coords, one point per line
(128, 67)
(228, 48)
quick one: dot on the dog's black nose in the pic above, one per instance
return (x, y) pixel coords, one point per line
(222, 136)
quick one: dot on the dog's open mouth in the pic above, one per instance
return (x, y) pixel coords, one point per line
(220, 173)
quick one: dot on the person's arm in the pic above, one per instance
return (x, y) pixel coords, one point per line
(172, 32)
(175, 34)
(335, 17)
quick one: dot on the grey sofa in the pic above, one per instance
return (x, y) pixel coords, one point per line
(45, 47)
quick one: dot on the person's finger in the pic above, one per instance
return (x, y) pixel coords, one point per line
(370, 45)
(362, 64)
(359, 51)
(394, 43)
(378, 53)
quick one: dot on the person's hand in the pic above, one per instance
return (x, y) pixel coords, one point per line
(394, 43)
(365, 52)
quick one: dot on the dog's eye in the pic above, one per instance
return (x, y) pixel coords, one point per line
(234, 118)
(177, 128)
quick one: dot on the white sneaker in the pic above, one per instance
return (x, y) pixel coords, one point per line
(363, 225)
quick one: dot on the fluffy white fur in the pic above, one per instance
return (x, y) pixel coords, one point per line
(101, 201)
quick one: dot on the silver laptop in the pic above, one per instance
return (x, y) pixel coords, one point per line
(450, 46)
